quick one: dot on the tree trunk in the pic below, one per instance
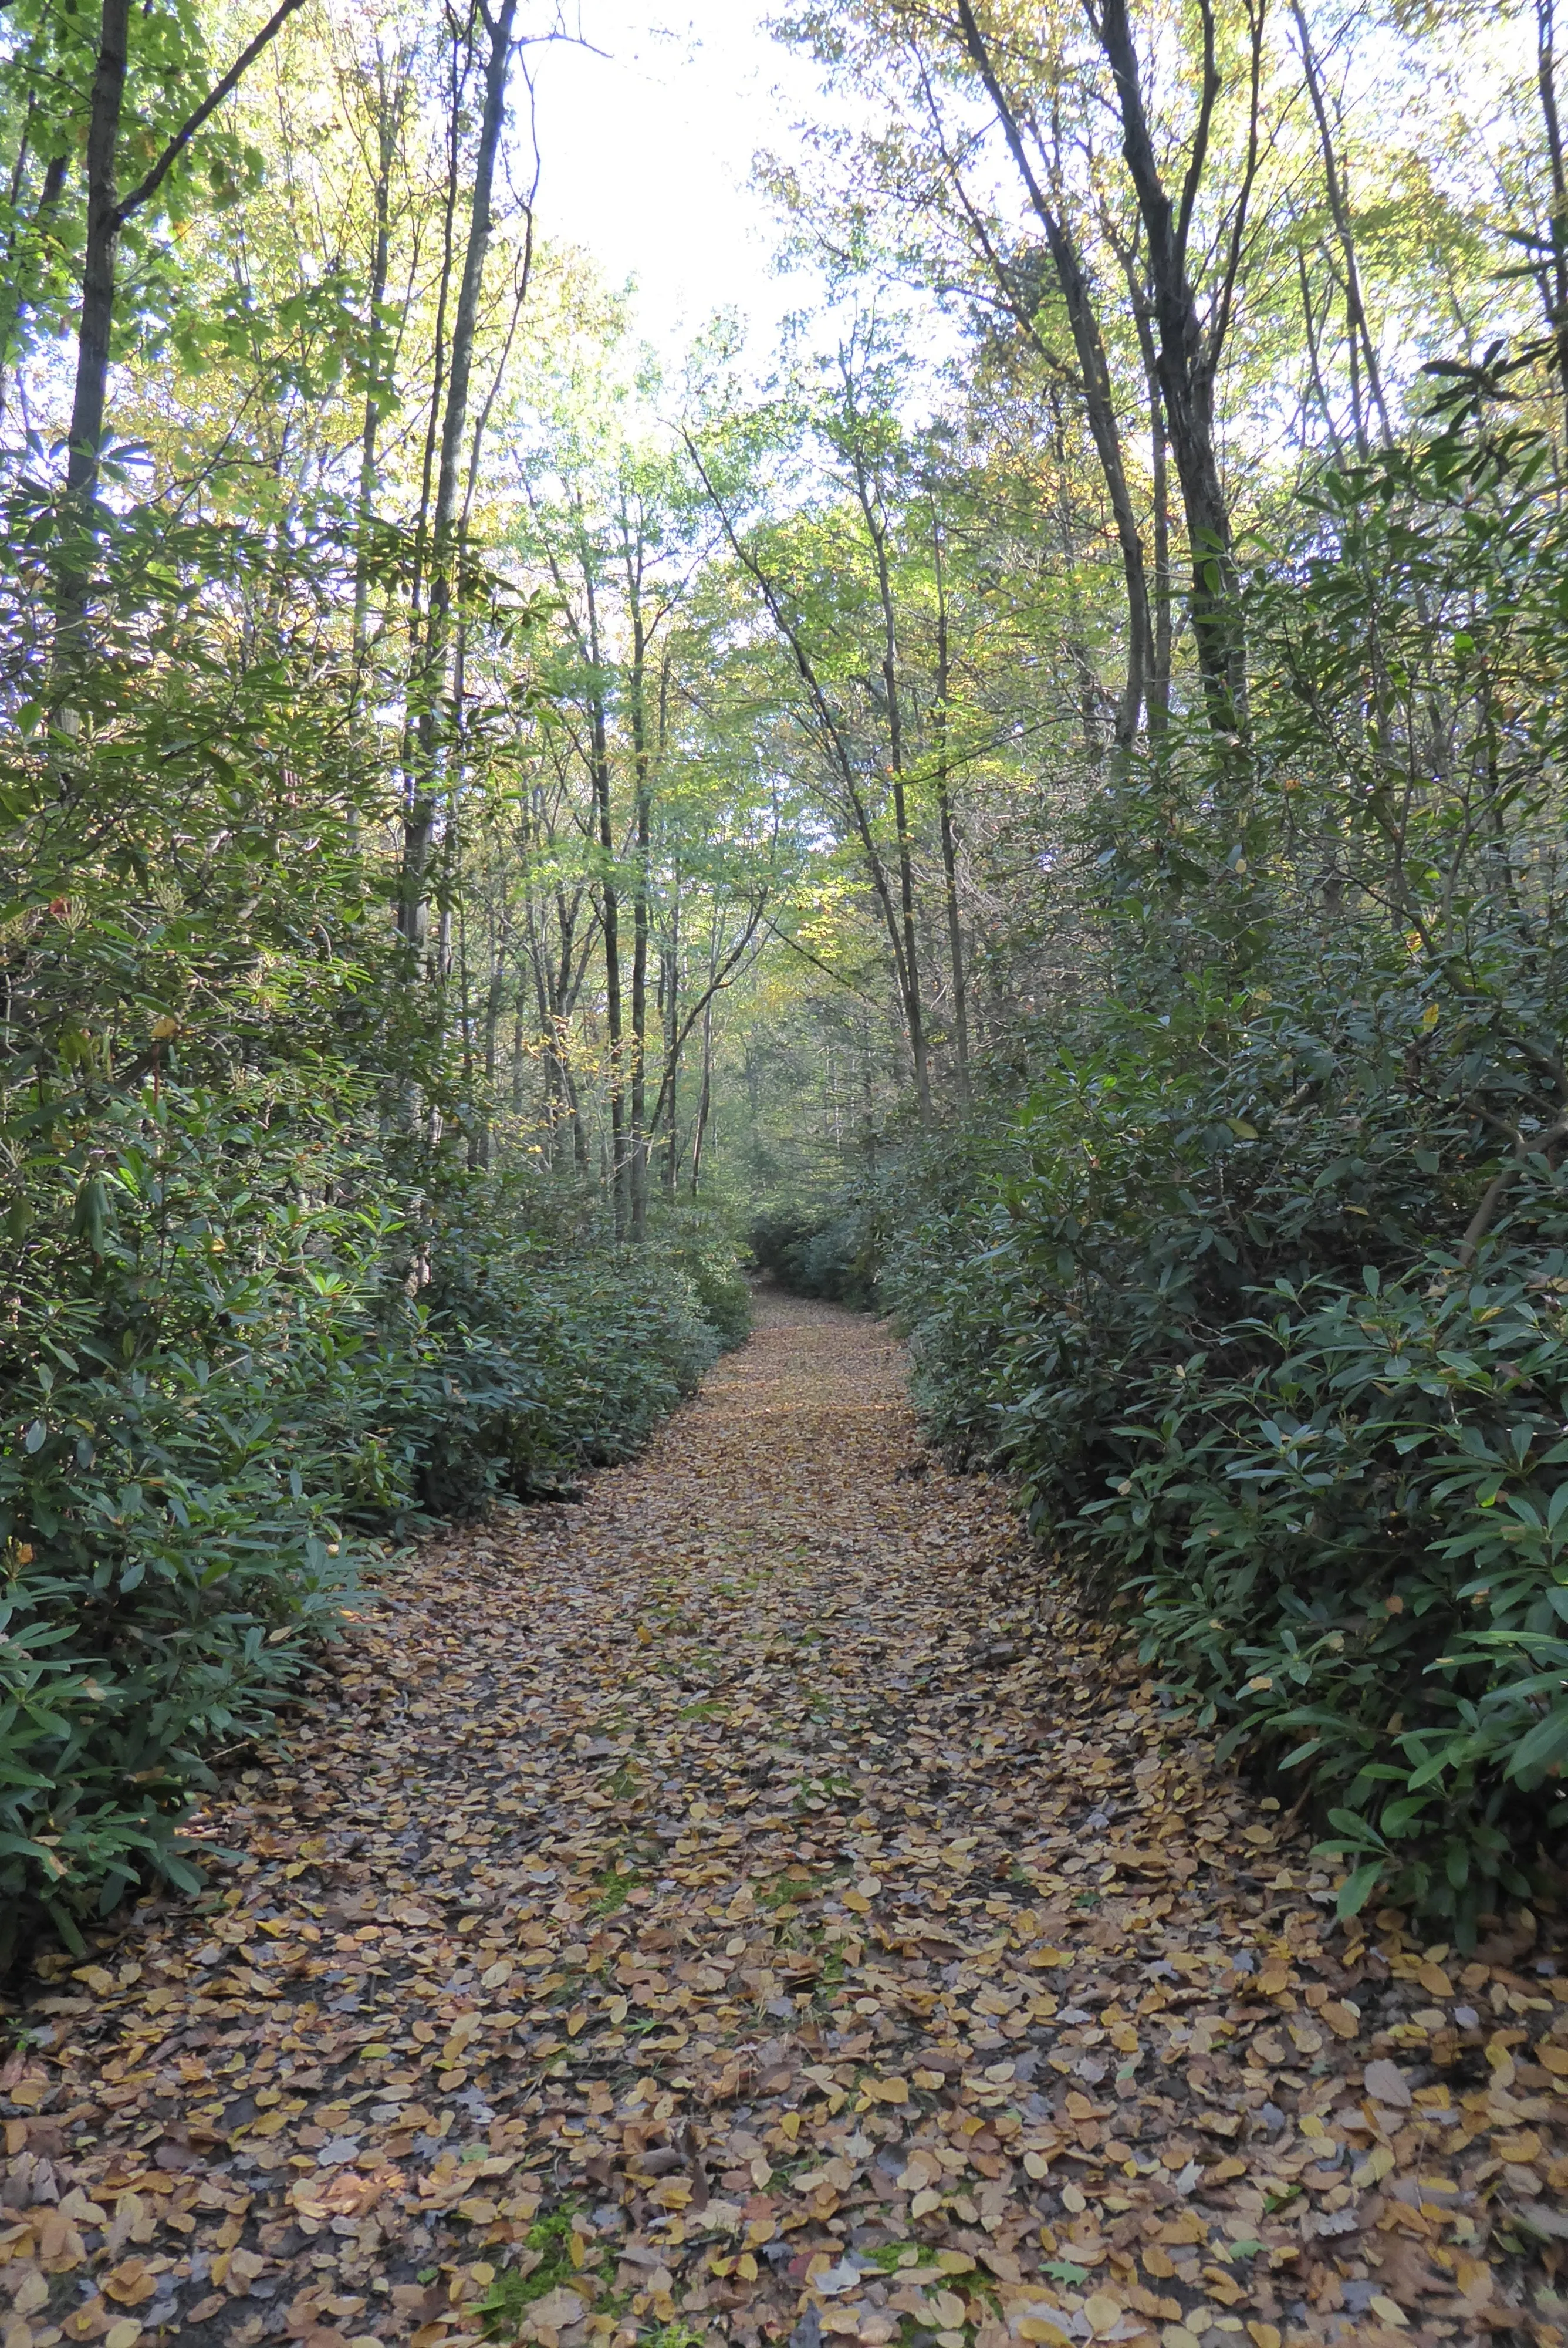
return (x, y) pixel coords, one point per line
(1095, 385)
(673, 1056)
(1188, 360)
(421, 823)
(610, 917)
(1339, 212)
(913, 1010)
(950, 849)
(637, 1168)
(388, 114)
(85, 440)
(704, 1097)
(1556, 281)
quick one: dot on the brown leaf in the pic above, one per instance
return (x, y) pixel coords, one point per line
(1387, 2082)
(866, 1934)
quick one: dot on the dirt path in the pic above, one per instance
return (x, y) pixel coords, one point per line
(727, 1909)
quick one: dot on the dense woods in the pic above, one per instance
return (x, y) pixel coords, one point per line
(1040, 809)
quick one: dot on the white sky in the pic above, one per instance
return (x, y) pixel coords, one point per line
(646, 150)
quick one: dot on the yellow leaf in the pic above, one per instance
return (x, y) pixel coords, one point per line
(1434, 1978)
(1389, 2310)
(1102, 2312)
(1377, 2165)
(1273, 1979)
(953, 2262)
(1264, 2336)
(101, 1983)
(925, 2202)
(123, 2334)
(576, 2020)
(1040, 2327)
(1429, 1017)
(858, 1901)
(130, 2283)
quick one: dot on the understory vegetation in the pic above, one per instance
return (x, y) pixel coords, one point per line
(1040, 795)
(1252, 1267)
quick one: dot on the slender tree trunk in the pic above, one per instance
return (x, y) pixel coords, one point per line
(1095, 385)
(704, 1097)
(85, 440)
(945, 813)
(609, 917)
(1188, 357)
(388, 113)
(1361, 340)
(637, 1168)
(673, 1053)
(913, 1010)
(1158, 656)
(421, 824)
(831, 732)
(1546, 84)
(106, 216)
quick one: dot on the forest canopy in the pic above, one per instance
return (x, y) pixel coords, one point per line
(1037, 803)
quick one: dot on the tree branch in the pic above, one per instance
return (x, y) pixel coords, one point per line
(208, 106)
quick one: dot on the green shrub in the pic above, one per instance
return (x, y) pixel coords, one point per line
(829, 1250)
(699, 1244)
(1187, 1298)
(170, 1490)
(223, 1401)
(255, 1319)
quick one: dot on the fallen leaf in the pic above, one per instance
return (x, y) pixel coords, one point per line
(1387, 2082)
(546, 1916)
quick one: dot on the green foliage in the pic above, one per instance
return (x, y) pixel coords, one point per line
(826, 1250)
(1332, 1523)
(547, 2266)
(257, 1319)
(1259, 1292)
(697, 1243)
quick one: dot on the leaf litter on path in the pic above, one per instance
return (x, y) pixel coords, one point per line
(753, 1905)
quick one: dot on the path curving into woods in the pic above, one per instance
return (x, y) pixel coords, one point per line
(749, 1905)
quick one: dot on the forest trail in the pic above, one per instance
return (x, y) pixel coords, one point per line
(750, 1903)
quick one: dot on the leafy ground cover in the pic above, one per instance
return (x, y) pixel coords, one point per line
(752, 1906)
